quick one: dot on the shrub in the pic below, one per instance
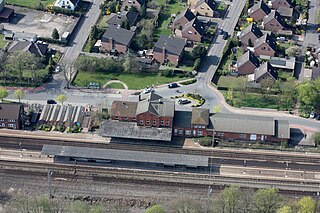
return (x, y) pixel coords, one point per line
(197, 64)
(191, 81)
(167, 73)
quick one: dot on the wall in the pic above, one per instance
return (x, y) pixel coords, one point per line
(151, 117)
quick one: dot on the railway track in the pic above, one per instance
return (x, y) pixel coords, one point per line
(36, 144)
(152, 176)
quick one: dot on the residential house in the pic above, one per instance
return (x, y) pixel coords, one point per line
(265, 46)
(127, 4)
(193, 30)
(169, 49)
(6, 14)
(259, 11)
(123, 111)
(273, 22)
(183, 18)
(249, 35)
(247, 63)
(205, 8)
(11, 116)
(266, 75)
(119, 19)
(116, 40)
(67, 4)
(23, 36)
(36, 48)
(276, 4)
(286, 12)
(192, 3)
(250, 128)
(154, 111)
(192, 124)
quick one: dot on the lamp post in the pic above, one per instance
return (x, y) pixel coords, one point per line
(50, 172)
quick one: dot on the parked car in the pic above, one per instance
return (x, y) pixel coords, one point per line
(173, 85)
(183, 101)
(58, 69)
(51, 101)
(148, 90)
(225, 35)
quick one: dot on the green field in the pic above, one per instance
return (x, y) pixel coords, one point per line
(2, 42)
(29, 3)
(115, 86)
(133, 81)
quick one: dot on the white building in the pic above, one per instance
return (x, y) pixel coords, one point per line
(67, 4)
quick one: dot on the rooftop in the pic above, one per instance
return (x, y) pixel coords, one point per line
(172, 45)
(200, 116)
(119, 35)
(9, 111)
(260, 5)
(266, 38)
(248, 56)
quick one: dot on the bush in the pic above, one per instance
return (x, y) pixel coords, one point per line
(197, 64)
(191, 81)
(167, 73)
(52, 41)
(205, 141)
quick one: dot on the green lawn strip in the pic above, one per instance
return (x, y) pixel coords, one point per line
(229, 81)
(2, 42)
(283, 75)
(29, 3)
(103, 21)
(115, 86)
(138, 81)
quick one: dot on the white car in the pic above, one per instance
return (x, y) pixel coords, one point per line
(148, 90)
(58, 69)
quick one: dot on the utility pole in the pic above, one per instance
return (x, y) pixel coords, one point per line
(49, 183)
(210, 171)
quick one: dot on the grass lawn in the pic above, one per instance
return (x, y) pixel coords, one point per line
(2, 42)
(133, 81)
(29, 3)
(115, 86)
(165, 18)
(103, 21)
(227, 81)
(284, 75)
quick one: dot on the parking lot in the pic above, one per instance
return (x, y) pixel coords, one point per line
(39, 22)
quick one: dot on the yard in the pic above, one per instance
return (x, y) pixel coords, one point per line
(29, 3)
(2, 41)
(133, 81)
(228, 81)
(165, 17)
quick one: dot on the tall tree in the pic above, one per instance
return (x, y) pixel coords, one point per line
(3, 94)
(307, 205)
(267, 200)
(285, 209)
(3, 63)
(55, 34)
(186, 205)
(309, 95)
(62, 98)
(143, 11)
(199, 51)
(228, 200)
(19, 94)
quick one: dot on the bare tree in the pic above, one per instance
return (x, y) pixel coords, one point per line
(68, 73)
(186, 205)
(119, 207)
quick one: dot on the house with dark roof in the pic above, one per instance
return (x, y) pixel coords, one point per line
(11, 116)
(249, 35)
(169, 49)
(266, 74)
(276, 4)
(67, 4)
(36, 48)
(205, 8)
(123, 110)
(286, 12)
(116, 39)
(259, 11)
(247, 63)
(6, 14)
(193, 30)
(118, 19)
(183, 18)
(193, 123)
(127, 4)
(242, 127)
(265, 46)
(273, 22)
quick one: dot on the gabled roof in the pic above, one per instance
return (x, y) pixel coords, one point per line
(171, 44)
(282, 129)
(266, 38)
(265, 68)
(187, 14)
(251, 28)
(197, 25)
(285, 11)
(156, 105)
(289, 1)
(274, 15)
(242, 123)
(38, 49)
(10, 111)
(75, 1)
(119, 35)
(118, 19)
(200, 116)
(210, 4)
(260, 5)
(123, 108)
(248, 57)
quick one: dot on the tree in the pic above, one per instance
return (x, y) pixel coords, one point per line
(288, 94)
(125, 24)
(228, 200)
(3, 94)
(62, 98)
(55, 34)
(186, 205)
(97, 209)
(293, 51)
(285, 209)
(199, 51)
(267, 200)
(3, 65)
(130, 64)
(307, 205)
(133, 9)
(94, 32)
(156, 209)
(19, 94)
(118, 7)
(309, 95)
(79, 207)
(316, 138)
(143, 11)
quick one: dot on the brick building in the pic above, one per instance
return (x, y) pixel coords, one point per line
(265, 46)
(249, 35)
(259, 11)
(274, 22)
(247, 63)
(11, 116)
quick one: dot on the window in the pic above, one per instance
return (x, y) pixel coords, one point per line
(199, 132)
(141, 122)
(167, 123)
(147, 122)
(154, 123)
(125, 118)
(1, 119)
(2, 125)
(11, 125)
(116, 117)
(188, 132)
(263, 48)
(253, 137)
(180, 132)
(162, 123)
(11, 120)
(134, 119)
(175, 131)
(242, 135)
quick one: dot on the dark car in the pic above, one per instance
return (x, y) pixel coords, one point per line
(51, 101)
(225, 35)
(183, 101)
(172, 85)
